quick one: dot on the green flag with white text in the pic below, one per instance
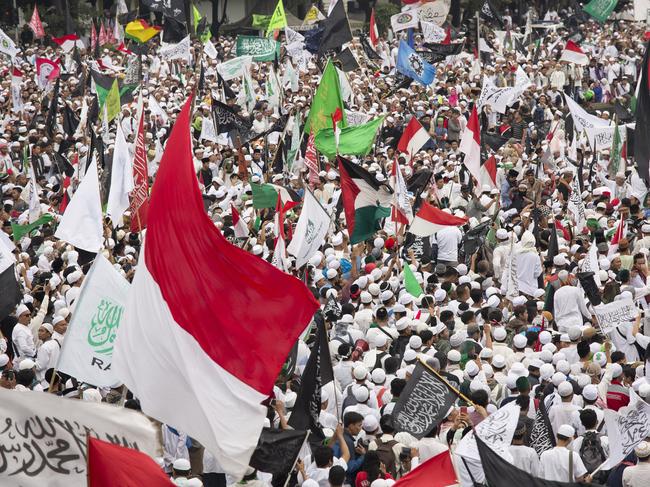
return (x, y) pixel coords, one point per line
(600, 9)
(355, 140)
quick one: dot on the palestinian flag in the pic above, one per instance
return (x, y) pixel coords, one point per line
(365, 200)
(140, 31)
(266, 196)
(429, 220)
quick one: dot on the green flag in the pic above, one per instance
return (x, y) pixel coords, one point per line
(615, 153)
(355, 140)
(600, 9)
(325, 102)
(19, 231)
(264, 195)
(111, 104)
(410, 282)
(278, 19)
(295, 141)
(196, 17)
(261, 21)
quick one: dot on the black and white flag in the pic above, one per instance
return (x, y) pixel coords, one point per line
(541, 436)
(423, 404)
(490, 14)
(277, 450)
(174, 9)
(227, 120)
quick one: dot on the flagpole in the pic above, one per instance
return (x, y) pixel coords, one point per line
(453, 389)
(286, 482)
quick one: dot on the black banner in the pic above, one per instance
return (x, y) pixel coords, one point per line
(436, 53)
(423, 404)
(277, 450)
(541, 435)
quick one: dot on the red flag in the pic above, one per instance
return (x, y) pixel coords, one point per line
(93, 35)
(374, 32)
(437, 471)
(122, 48)
(36, 25)
(311, 160)
(413, 138)
(110, 465)
(186, 260)
(103, 36)
(65, 198)
(470, 145)
(447, 39)
(140, 194)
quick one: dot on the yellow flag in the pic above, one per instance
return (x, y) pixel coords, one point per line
(313, 15)
(112, 103)
(278, 20)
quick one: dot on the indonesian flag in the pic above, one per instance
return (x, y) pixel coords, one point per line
(140, 195)
(374, 32)
(65, 197)
(16, 92)
(238, 223)
(573, 54)
(413, 138)
(619, 234)
(36, 25)
(46, 71)
(122, 48)
(110, 464)
(489, 172)
(311, 160)
(68, 42)
(470, 145)
(429, 220)
(337, 116)
(401, 211)
(185, 347)
(447, 39)
(437, 471)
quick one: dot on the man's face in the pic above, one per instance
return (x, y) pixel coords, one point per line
(61, 327)
(43, 334)
(24, 318)
(355, 428)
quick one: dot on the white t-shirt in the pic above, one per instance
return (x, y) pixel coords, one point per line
(448, 241)
(555, 465)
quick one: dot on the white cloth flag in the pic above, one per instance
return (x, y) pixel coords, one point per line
(87, 350)
(435, 11)
(157, 110)
(590, 263)
(496, 431)
(7, 45)
(81, 224)
(611, 315)
(16, 94)
(180, 50)
(46, 436)
(499, 98)
(311, 229)
(210, 50)
(581, 119)
(207, 130)
(405, 20)
(576, 205)
(432, 32)
(234, 68)
(121, 180)
(626, 430)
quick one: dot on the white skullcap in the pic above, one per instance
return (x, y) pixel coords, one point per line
(499, 334)
(415, 342)
(454, 356)
(360, 372)
(566, 430)
(402, 324)
(519, 341)
(26, 364)
(563, 366)
(182, 465)
(546, 371)
(545, 337)
(21, 309)
(498, 361)
(361, 393)
(366, 297)
(617, 370)
(558, 378)
(565, 389)
(370, 424)
(378, 376)
(590, 392)
(92, 395)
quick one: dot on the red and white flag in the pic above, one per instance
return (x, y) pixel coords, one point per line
(36, 25)
(401, 211)
(16, 91)
(238, 223)
(413, 138)
(447, 39)
(374, 32)
(110, 465)
(470, 145)
(68, 42)
(122, 48)
(311, 160)
(140, 195)
(429, 220)
(573, 54)
(103, 35)
(47, 71)
(619, 234)
(437, 471)
(185, 348)
(93, 35)
(489, 173)
(337, 116)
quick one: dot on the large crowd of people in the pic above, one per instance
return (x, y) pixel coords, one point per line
(504, 313)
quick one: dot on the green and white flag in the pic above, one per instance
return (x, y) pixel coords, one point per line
(273, 90)
(260, 48)
(235, 67)
(87, 350)
(295, 141)
(7, 46)
(600, 9)
(311, 230)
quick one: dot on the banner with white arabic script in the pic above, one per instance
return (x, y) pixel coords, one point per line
(262, 49)
(423, 404)
(43, 437)
(87, 350)
(616, 313)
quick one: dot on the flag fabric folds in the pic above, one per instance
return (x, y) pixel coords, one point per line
(424, 402)
(140, 195)
(601, 9)
(411, 64)
(413, 138)
(354, 140)
(277, 450)
(110, 465)
(642, 129)
(121, 180)
(278, 19)
(325, 102)
(36, 25)
(573, 54)
(336, 29)
(437, 471)
(266, 195)
(311, 230)
(87, 350)
(11, 294)
(140, 31)
(429, 220)
(365, 200)
(18, 231)
(470, 145)
(185, 258)
(411, 284)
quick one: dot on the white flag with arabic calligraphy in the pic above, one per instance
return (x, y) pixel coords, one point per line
(87, 350)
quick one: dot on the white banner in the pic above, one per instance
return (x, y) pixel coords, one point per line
(616, 313)
(583, 120)
(180, 50)
(590, 263)
(44, 437)
(311, 229)
(499, 98)
(435, 11)
(88, 346)
(602, 137)
(235, 67)
(16, 94)
(432, 32)
(404, 20)
(627, 430)
(7, 45)
(207, 130)
(356, 118)
(210, 50)
(496, 431)
(576, 205)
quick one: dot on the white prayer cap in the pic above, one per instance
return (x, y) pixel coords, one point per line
(360, 372)
(644, 390)
(410, 355)
(4, 359)
(575, 333)
(617, 370)
(180, 464)
(559, 260)
(370, 424)
(74, 277)
(48, 327)
(566, 430)
(366, 297)
(454, 356)
(545, 337)
(471, 369)
(439, 295)
(92, 395)
(558, 378)
(361, 393)
(415, 342)
(374, 289)
(565, 389)
(519, 341)
(462, 269)
(405, 299)
(456, 339)
(563, 366)
(498, 361)
(493, 301)
(26, 364)
(502, 234)
(499, 334)
(546, 371)
(378, 376)
(600, 358)
(590, 392)
(519, 301)
(379, 243)
(642, 450)
(21, 309)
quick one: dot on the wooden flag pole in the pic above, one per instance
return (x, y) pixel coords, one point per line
(453, 389)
